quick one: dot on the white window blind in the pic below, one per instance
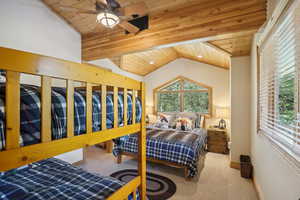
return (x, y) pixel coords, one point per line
(279, 107)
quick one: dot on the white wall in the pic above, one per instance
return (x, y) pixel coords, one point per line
(215, 77)
(240, 107)
(108, 64)
(271, 5)
(30, 26)
(276, 178)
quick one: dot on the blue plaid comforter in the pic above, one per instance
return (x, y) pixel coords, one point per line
(30, 113)
(180, 147)
(55, 179)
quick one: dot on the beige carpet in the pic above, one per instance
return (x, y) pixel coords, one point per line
(216, 182)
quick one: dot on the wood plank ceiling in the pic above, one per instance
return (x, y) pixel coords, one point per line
(170, 21)
(238, 44)
(226, 24)
(143, 63)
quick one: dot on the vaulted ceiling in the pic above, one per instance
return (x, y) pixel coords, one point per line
(143, 63)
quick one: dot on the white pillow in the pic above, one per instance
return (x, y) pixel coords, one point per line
(163, 125)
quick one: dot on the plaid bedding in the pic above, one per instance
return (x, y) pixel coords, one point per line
(55, 179)
(30, 113)
(180, 147)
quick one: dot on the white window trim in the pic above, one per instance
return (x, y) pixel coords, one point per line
(282, 8)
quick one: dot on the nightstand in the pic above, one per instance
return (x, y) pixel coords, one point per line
(217, 140)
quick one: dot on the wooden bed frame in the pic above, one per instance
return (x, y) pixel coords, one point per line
(119, 161)
(170, 164)
(17, 62)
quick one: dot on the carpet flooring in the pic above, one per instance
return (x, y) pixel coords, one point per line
(216, 182)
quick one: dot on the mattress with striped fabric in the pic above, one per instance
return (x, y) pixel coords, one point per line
(55, 179)
(30, 114)
(179, 147)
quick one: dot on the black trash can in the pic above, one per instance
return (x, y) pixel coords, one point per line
(246, 166)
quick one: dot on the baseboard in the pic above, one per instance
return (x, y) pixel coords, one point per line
(257, 189)
(235, 165)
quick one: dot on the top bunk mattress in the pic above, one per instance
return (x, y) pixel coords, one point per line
(30, 113)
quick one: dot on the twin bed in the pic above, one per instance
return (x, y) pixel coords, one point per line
(37, 123)
(175, 148)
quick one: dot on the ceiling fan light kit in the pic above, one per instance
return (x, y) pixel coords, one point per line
(108, 19)
(109, 13)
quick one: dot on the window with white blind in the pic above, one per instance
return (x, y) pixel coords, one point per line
(279, 106)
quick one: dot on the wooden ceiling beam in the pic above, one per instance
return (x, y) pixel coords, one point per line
(203, 61)
(220, 49)
(237, 46)
(203, 20)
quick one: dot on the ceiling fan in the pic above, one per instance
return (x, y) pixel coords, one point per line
(109, 13)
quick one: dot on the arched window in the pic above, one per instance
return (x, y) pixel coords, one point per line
(183, 95)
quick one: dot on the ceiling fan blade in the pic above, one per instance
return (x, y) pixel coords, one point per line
(78, 10)
(134, 9)
(101, 4)
(129, 27)
(113, 4)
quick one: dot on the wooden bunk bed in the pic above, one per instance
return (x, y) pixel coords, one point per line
(15, 62)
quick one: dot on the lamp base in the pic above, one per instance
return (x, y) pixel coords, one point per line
(222, 124)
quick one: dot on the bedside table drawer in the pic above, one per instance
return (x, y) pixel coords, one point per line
(216, 134)
(217, 149)
(217, 142)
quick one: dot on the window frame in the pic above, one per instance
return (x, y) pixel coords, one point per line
(280, 15)
(208, 89)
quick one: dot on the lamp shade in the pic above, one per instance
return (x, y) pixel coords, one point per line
(149, 110)
(222, 112)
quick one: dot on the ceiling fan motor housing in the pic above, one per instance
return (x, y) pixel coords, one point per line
(141, 22)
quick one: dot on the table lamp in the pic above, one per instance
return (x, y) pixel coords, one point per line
(222, 113)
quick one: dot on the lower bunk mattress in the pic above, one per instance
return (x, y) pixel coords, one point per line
(30, 113)
(55, 179)
(179, 147)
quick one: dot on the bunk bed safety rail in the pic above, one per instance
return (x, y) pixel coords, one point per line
(16, 62)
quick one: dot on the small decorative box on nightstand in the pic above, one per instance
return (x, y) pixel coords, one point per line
(217, 141)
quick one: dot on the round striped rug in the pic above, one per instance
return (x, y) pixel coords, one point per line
(158, 187)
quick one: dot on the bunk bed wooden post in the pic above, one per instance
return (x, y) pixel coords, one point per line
(89, 108)
(133, 107)
(119, 157)
(46, 109)
(103, 117)
(12, 104)
(103, 107)
(70, 108)
(109, 144)
(134, 195)
(116, 120)
(125, 107)
(142, 145)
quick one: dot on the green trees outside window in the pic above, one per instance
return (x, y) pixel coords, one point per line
(183, 95)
